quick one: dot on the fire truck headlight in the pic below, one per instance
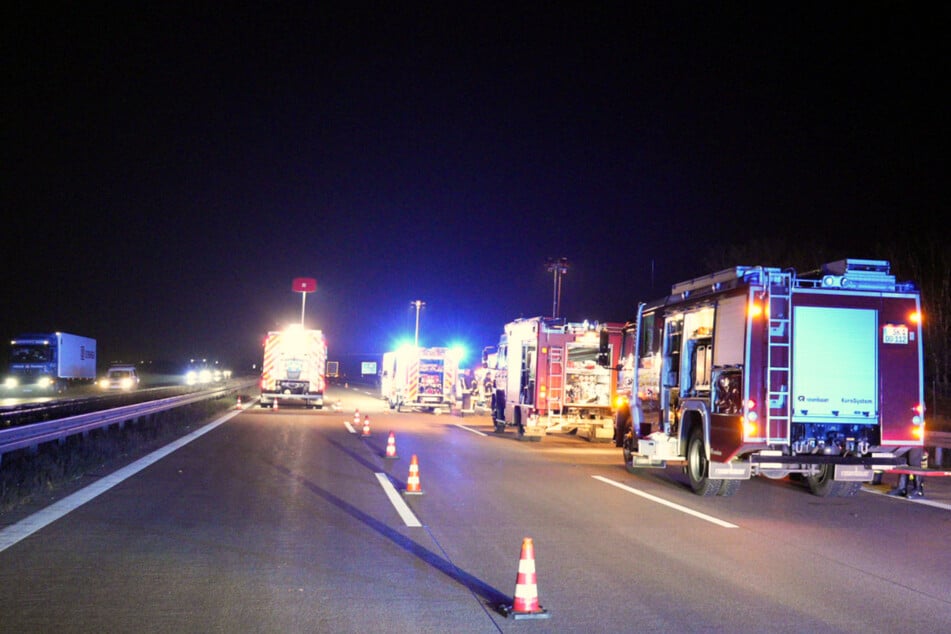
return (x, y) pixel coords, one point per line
(45, 382)
(10, 382)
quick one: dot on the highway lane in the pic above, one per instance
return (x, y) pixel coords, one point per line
(277, 522)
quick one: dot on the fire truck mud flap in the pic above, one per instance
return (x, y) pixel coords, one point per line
(853, 473)
(729, 470)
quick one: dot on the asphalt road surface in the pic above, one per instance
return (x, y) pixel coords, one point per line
(295, 521)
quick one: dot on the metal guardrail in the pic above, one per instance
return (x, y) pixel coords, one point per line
(938, 441)
(37, 433)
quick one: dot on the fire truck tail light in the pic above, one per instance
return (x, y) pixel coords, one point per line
(750, 418)
(918, 431)
(755, 309)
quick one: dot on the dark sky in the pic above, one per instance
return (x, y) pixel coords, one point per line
(169, 170)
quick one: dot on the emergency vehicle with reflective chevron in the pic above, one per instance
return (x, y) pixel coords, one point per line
(419, 379)
(294, 367)
(760, 371)
(547, 378)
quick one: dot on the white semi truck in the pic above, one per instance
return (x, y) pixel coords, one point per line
(51, 361)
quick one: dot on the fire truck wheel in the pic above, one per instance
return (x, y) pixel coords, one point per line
(728, 488)
(622, 425)
(697, 466)
(824, 484)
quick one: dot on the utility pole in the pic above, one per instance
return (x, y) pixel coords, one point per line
(418, 304)
(559, 267)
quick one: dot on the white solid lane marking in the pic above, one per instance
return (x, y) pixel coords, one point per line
(408, 517)
(474, 431)
(676, 507)
(29, 525)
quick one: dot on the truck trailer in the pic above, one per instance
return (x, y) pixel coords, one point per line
(758, 371)
(295, 360)
(547, 378)
(419, 379)
(51, 361)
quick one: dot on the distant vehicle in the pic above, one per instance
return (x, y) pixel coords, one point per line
(120, 377)
(51, 361)
(419, 379)
(547, 377)
(205, 373)
(295, 360)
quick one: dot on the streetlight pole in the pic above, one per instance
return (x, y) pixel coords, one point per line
(418, 304)
(559, 267)
(303, 285)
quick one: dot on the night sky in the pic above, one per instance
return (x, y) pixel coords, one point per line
(168, 171)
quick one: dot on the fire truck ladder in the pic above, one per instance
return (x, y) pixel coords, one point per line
(778, 356)
(556, 386)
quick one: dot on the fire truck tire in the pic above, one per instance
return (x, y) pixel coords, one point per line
(729, 488)
(697, 467)
(628, 446)
(622, 425)
(824, 484)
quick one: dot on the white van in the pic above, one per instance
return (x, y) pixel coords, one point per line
(120, 377)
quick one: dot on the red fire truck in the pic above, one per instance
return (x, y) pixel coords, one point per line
(760, 371)
(547, 377)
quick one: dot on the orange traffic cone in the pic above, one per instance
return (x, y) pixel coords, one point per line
(412, 482)
(391, 446)
(366, 425)
(356, 418)
(238, 404)
(525, 605)
(275, 403)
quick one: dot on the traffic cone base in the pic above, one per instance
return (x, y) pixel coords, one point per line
(525, 604)
(412, 482)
